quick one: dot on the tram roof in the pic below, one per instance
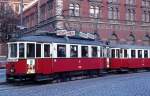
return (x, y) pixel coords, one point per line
(128, 46)
(58, 39)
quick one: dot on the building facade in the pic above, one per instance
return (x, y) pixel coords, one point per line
(114, 21)
(9, 9)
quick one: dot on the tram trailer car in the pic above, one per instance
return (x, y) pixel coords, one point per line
(129, 57)
(51, 57)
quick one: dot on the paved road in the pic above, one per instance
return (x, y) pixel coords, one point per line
(136, 84)
(2, 75)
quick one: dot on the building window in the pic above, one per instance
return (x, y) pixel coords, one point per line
(74, 10)
(146, 16)
(113, 1)
(130, 2)
(113, 13)
(145, 3)
(130, 15)
(61, 50)
(95, 11)
(73, 51)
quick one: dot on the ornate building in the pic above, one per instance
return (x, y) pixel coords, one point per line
(115, 21)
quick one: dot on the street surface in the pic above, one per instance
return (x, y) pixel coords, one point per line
(135, 84)
(2, 75)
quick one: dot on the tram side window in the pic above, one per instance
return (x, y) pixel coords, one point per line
(145, 54)
(133, 53)
(84, 51)
(73, 51)
(118, 53)
(101, 52)
(139, 53)
(94, 52)
(13, 52)
(61, 50)
(21, 50)
(30, 50)
(46, 50)
(38, 50)
(113, 53)
(125, 54)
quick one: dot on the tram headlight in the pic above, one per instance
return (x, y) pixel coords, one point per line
(12, 70)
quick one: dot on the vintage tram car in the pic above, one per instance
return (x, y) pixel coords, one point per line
(52, 57)
(43, 57)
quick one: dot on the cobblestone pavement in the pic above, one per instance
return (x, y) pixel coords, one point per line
(135, 84)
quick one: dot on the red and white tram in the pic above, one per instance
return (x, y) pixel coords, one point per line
(52, 57)
(129, 57)
(40, 57)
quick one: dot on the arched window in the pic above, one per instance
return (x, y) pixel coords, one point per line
(74, 9)
(95, 11)
(146, 39)
(114, 38)
(131, 39)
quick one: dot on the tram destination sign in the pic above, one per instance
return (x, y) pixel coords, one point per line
(65, 33)
(73, 33)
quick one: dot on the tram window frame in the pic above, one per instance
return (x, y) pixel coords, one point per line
(12, 55)
(23, 50)
(133, 55)
(113, 55)
(125, 53)
(101, 51)
(139, 54)
(145, 55)
(84, 53)
(117, 53)
(94, 52)
(38, 54)
(32, 53)
(58, 53)
(74, 52)
(47, 52)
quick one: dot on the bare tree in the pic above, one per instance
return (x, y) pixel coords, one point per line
(8, 22)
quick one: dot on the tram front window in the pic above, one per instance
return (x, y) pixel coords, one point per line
(21, 50)
(30, 50)
(13, 50)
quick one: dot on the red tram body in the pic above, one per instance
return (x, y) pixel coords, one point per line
(37, 57)
(36, 66)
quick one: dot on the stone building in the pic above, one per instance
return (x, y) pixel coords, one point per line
(115, 21)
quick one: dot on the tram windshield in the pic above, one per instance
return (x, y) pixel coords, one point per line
(13, 50)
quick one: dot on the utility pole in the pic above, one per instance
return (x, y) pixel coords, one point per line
(39, 13)
(38, 16)
(21, 12)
